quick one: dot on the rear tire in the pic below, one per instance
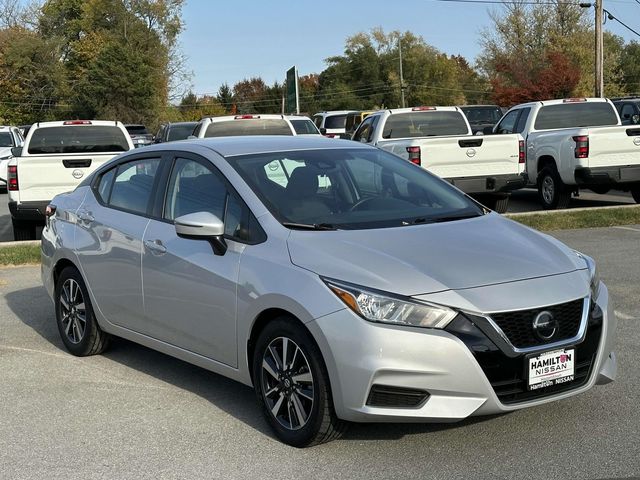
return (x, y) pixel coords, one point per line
(294, 391)
(23, 230)
(635, 193)
(497, 203)
(77, 323)
(551, 191)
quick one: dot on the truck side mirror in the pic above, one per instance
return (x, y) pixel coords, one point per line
(16, 151)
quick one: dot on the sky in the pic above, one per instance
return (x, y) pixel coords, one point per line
(230, 40)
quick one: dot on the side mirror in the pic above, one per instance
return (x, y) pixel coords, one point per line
(323, 131)
(635, 119)
(16, 151)
(487, 131)
(202, 226)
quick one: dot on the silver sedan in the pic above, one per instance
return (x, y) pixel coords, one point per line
(341, 282)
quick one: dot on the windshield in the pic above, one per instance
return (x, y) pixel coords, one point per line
(180, 131)
(254, 126)
(350, 189)
(136, 129)
(6, 140)
(425, 124)
(78, 139)
(305, 127)
(335, 121)
(572, 115)
(482, 115)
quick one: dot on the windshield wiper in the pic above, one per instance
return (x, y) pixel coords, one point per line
(309, 226)
(451, 218)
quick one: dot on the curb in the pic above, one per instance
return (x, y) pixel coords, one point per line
(569, 210)
(16, 244)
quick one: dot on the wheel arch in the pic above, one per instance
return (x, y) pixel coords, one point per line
(60, 265)
(544, 161)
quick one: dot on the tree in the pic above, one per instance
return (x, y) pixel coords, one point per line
(225, 97)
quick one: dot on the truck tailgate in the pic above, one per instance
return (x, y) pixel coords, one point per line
(464, 156)
(41, 177)
(614, 146)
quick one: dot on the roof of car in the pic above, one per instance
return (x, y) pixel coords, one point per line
(75, 123)
(251, 144)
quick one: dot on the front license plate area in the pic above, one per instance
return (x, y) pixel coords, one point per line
(550, 368)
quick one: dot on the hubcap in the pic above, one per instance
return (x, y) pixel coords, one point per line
(72, 311)
(548, 189)
(287, 383)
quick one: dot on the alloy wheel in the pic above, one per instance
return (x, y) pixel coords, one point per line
(548, 189)
(287, 383)
(73, 311)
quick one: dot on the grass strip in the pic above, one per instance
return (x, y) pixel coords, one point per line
(568, 219)
(20, 255)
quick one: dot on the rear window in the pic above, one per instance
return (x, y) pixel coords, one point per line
(425, 124)
(304, 127)
(335, 121)
(570, 115)
(5, 139)
(482, 115)
(257, 126)
(78, 139)
(137, 129)
(180, 132)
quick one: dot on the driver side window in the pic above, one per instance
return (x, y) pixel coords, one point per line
(364, 133)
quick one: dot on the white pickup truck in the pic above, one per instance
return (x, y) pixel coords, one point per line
(55, 157)
(440, 140)
(575, 143)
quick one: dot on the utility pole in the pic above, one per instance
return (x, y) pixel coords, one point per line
(599, 81)
(401, 77)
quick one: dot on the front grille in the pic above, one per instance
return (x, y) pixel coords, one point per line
(518, 325)
(396, 397)
(507, 374)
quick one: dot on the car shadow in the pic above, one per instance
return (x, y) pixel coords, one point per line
(34, 308)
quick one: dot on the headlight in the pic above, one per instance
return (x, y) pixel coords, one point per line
(387, 308)
(594, 277)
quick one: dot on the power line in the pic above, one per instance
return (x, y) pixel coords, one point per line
(610, 16)
(505, 2)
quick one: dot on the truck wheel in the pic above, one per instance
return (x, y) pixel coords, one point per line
(497, 203)
(635, 193)
(23, 230)
(551, 191)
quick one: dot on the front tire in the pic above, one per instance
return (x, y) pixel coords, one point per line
(292, 384)
(551, 191)
(77, 323)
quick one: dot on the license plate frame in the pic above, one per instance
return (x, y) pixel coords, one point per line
(550, 368)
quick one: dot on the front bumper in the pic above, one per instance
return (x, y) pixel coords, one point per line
(607, 175)
(359, 355)
(490, 184)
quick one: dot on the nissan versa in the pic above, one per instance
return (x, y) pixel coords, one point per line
(342, 282)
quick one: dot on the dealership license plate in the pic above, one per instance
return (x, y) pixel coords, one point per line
(551, 368)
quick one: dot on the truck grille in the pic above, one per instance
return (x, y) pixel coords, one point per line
(518, 325)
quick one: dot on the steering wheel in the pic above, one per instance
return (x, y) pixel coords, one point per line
(357, 206)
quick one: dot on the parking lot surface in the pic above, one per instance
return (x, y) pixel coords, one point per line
(135, 413)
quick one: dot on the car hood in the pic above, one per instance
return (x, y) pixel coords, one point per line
(423, 259)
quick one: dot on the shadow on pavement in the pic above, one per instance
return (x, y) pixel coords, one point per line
(34, 308)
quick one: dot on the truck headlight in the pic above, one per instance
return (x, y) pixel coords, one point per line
(594, 276)
(383, 307)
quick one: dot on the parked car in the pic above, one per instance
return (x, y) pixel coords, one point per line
(353, 121)
(140, 136)
(234, 125)
(440, 140)
(332, 124)
(364, 289)
(24, 130)
(629, 110)
(56, 156)
(481, 117)
(575, 143)
(10, 137)
(169, 132)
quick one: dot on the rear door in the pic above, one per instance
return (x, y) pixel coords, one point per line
(58, 158)
(111, 223)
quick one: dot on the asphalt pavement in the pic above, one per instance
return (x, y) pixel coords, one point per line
(135, 413)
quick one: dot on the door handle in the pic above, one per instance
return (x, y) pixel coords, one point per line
(155, 247)
(85, 217)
